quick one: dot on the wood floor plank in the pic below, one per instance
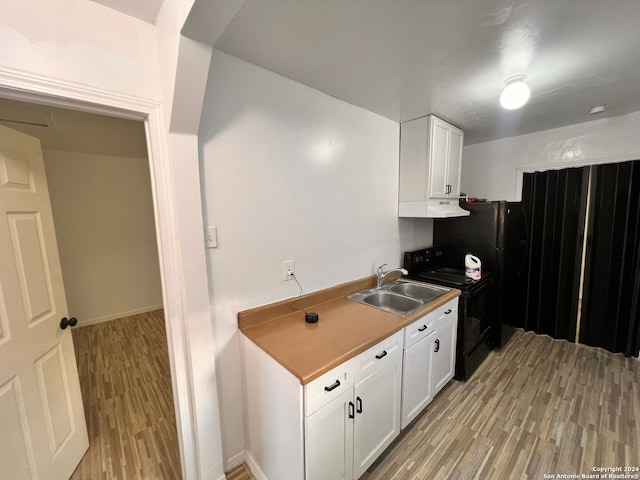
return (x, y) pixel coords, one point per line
(126, 390)
(241, 472)
(537, 406)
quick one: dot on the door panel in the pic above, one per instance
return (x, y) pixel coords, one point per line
(444, 353)
(611, 302)
(554, 201)
(455, 161)
(329, 441)
(416, 379)
(15, 173)
(41, 418)
(28, 250)
(54, 390)
(377, 420)
(16, 451)
(439, 153)
(5, 333)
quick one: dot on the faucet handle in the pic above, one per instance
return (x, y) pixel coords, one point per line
(380, 271)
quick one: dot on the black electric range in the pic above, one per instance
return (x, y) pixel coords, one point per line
(435, 265)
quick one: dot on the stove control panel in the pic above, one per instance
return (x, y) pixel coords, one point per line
(424, 259)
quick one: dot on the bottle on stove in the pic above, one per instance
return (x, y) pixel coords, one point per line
(472, 266)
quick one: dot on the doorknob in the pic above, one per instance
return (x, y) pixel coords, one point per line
(68, 322)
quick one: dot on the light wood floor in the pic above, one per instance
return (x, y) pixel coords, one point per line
(241, 472)
(126, 390)
(538, 406)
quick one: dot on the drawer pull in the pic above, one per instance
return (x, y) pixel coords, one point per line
(380, 355)
(437, 345)
(359, 405)
(332, 387)
(422, 328)
(447, 312)
(352, 414)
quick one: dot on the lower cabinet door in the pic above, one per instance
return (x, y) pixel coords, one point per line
(416, 379)
(329, 440)
(377, 422)
(443, 359)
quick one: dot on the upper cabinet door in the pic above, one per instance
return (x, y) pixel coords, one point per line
(439, 154)
(430, 160)
(454, 161)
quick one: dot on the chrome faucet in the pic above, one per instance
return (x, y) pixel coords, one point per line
(382, 274)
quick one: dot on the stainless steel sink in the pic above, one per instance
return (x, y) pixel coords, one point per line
(414, 290)
(391, 301)
(400, 297)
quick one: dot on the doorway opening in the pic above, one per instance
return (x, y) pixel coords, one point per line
(101, 194)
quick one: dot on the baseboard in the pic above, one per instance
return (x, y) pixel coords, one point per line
(234, 461)
(259, 474)
(107, 318)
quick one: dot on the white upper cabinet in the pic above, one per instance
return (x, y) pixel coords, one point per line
(430, 161)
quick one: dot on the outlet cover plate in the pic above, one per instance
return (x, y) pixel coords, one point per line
(286, 266)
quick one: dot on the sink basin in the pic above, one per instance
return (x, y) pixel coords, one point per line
(390, 301)
(400, 297)
(423, 292)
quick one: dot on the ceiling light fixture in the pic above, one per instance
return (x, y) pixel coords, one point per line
(515, 94)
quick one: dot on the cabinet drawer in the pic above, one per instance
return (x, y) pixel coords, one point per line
(378, 356)
(420, 329)
(325, 388)
(445, 312)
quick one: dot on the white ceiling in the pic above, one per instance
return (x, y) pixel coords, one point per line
(145, 10)
(404, 59)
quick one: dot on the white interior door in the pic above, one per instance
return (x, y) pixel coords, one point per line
(42, 425)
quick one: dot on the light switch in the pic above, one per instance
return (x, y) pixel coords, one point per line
(211, 237)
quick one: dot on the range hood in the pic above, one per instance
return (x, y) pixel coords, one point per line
(433, 208)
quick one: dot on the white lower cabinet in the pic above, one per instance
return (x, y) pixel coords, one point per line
(443, 361)
(416, 379)
(335, 427)
(328, 439)
(345, 437)
(429, 359)
(377, 419)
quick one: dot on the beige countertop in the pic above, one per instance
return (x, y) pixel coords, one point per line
(345, 328)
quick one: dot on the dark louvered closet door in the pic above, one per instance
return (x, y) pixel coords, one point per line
(554, 203)
(610, 313)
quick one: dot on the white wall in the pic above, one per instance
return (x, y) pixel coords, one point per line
(290, 173)
(490, 170)
(80, 41)
(103, 214)
(86, 50)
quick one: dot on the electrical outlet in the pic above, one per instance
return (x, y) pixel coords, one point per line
(288, 269)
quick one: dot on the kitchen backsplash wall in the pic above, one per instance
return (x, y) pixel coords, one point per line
(493, 170)
(289, 172)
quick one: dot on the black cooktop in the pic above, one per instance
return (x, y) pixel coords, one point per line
(433, 265)
(447, 275)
